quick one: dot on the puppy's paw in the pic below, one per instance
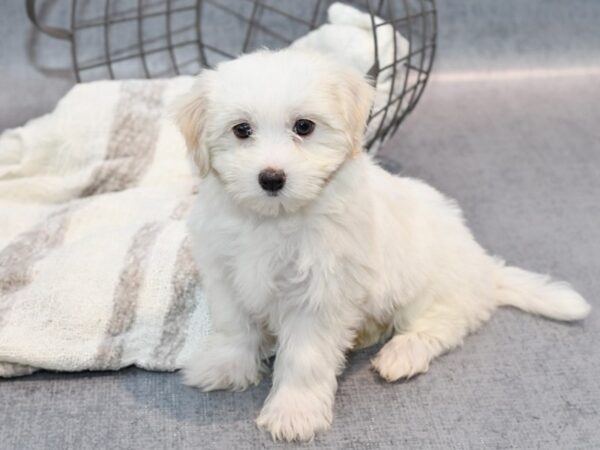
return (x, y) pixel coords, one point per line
(295, 415)
(223, 366)
(404, 356)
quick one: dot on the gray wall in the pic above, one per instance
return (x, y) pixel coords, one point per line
(473, 35)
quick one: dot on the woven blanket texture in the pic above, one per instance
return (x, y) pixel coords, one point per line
(95, 268)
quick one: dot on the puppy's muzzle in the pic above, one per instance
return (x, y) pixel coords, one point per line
(271, 180)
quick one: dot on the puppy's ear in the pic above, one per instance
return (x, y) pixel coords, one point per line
(190, 116)
(356, 97)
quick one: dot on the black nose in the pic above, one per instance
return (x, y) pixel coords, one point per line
(271, 180)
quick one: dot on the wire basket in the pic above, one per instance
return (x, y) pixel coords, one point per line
(136, 39)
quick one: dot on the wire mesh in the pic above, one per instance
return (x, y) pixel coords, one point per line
(152, 38)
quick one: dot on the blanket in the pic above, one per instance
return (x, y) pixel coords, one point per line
(95, 265)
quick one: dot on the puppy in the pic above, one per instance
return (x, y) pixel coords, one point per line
(306, 247)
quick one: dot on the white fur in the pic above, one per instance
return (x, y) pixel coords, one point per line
(345, 246)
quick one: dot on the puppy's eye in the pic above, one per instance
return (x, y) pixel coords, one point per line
(242, 130)
(303, 127)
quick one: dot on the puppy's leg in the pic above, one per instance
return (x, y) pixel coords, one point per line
(310, 355)
(230, 357)
(437, 330)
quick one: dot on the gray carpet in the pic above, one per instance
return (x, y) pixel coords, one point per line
(522, 157)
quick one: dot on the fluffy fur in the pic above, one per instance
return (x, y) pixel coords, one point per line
(344, 256)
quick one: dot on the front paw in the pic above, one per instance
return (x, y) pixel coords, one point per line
(295, 415)
(223, 366)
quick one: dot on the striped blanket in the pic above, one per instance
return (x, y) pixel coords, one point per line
(95, 268)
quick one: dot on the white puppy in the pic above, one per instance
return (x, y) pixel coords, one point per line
(307, 247)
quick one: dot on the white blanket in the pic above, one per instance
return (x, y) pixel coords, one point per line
(95, 268)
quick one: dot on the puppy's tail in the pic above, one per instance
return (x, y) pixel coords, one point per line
(538, 294)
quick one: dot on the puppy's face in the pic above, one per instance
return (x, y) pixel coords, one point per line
(274, 127)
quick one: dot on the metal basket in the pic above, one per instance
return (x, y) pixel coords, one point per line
(137, 38)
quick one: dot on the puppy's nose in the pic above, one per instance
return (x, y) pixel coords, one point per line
(271, 180)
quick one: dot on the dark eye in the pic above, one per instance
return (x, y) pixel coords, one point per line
(303, 127)
(242, 130)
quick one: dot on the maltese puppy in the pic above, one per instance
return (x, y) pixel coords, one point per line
(308, 249)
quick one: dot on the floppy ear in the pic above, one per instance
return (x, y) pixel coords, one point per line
(190, 116)
(356, 96)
